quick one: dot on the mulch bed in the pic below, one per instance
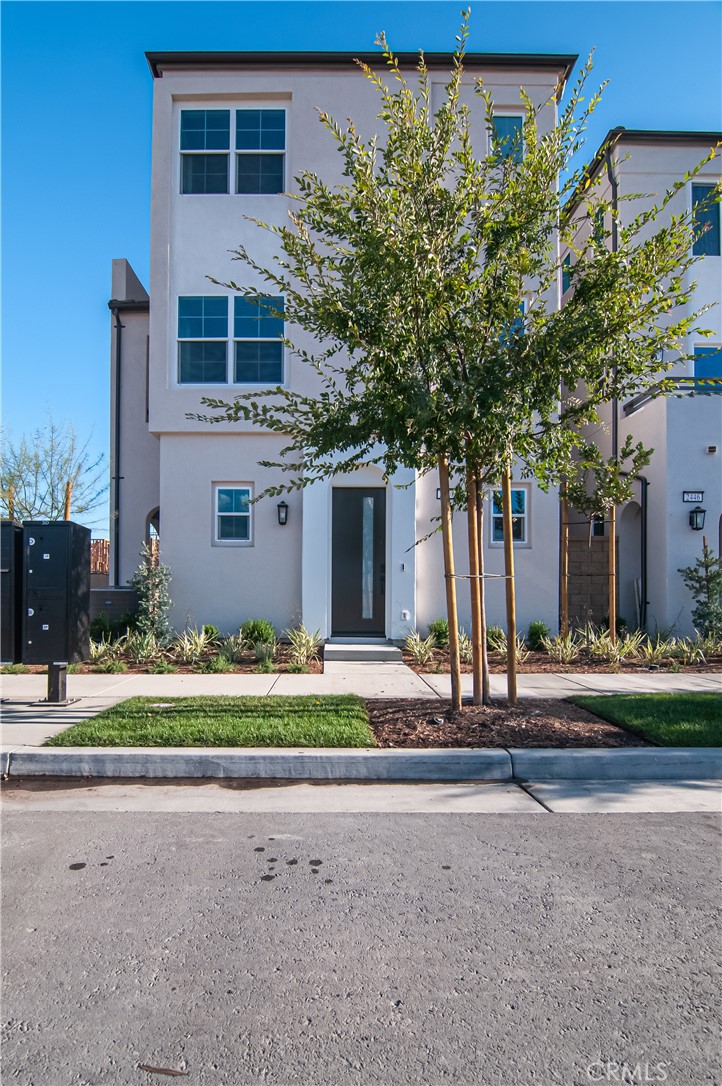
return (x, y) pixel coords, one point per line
(540, 663)
(535, 722)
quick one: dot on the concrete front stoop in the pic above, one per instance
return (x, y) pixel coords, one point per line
(361, 653)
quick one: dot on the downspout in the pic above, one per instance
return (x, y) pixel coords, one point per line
(644, 481)
(615, 242)
(115, 512)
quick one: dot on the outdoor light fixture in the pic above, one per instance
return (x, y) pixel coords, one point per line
(696, 519)
(282, 508)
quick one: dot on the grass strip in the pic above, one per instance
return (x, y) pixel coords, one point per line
(674, 720)
(323, 721)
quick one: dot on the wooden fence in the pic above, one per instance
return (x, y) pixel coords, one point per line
(100, 554)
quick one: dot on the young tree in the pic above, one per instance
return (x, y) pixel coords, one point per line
(41, 471)
(704, 580)
(426, 279)
(151, 580)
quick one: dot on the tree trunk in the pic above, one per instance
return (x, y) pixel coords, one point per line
(510, 592)
(613, 574)
(474, 585)
(564, 567)
(485, 693)
(451, 611)
(68, 495)
(11, 502)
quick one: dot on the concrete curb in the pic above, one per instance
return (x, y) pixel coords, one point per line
(338, 764)
(453, 764)
(625, 764)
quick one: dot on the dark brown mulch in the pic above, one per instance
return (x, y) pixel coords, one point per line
(535, 722)
(539, 663)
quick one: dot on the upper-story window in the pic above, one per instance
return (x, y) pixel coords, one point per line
(566, 273)
(260, 146)
(202, 340)
(205, 149)
(708, 362)
(508, 142)
(257, 332)
(707, 218)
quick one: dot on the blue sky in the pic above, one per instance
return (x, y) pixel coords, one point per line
(76, 138)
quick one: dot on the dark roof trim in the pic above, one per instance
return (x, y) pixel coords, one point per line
(558, 62)
(635, 135)
(115, 303)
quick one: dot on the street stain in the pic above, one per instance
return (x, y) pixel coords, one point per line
(272, 860)
(291, 863)
(315, 863)
(267, 878)
(314, 871)
(77, 867)
(446, 867)
(259, 848)
(328, 881)
(103, 864)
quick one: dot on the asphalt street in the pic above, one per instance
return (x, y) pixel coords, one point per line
(369, 948)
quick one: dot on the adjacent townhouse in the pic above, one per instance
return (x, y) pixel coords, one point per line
(678, 499)
(230, 133)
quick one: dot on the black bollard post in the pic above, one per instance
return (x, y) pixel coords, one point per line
(57, 683)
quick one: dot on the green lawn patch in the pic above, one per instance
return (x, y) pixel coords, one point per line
(333, 721)
(674, 720)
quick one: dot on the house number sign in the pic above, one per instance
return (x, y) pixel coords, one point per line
(692, 495)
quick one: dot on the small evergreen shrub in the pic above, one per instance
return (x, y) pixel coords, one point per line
(212, 633)
(495, 639)
(217, 665)
(297, 668)
(704, 580)
(535, 635)
(110, 667)
(254, 630)
(265, 667)
(162, 667)
(439, 630)
(151, 583)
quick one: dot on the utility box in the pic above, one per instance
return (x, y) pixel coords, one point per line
(56, 592)
(11, 591)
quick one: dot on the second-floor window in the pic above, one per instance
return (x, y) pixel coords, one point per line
(708, 362)
(566, 273)
(205, 149)
(519, 515)
(508, 142)
(707, 219)
(258, 146)
(203, 356)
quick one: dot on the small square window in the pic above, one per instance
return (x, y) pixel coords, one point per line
(258, 362)
(260, 130)
(205, 129)
(707, 220)
(519, 514)
(232, 516)
(708, 364)
(202, 318)
(202, 363)
(261, 174)
(204, 173)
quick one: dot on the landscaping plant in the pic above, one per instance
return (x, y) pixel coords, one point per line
(439, 630)
(535, 635)
(254, 630)
(704, 580)
(564, 648)
(420, 649)
(151, 584)
(305, 645)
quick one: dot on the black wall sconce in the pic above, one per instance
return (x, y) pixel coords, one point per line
(282, 508)
(696, 519)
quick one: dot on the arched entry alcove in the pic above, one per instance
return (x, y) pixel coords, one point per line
(630, 564)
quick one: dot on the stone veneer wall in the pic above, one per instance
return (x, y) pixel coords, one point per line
(588, 566)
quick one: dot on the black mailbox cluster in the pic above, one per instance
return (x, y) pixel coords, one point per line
(46, 592)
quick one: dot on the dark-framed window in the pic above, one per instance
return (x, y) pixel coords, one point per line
(707, 220)
(508, 140)
(205, 137)
(566, 273)
(260, 150)
(257, 332)
(202, 340)
(232, 513)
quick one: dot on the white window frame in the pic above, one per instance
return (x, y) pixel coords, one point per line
(237, 152)
(508, 111)
(205, 108)
(254, 339)
(525, 517)
(204, 339)
(216, 540)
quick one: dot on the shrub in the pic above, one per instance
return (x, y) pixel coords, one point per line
(297, 668)
(191, 645)
(162, 667)
(213, 633)
(265, 651)
(704, 580)
(439, 630)
(304, 644)
(111, 667)
(265, 667)
(465, 648)
(103, 629)
(217, 665)
(14, 669)
(563, 649)
(257, 629)
(495, 639)
(233, 647)
(535, 635)
(421, 649)
(655, 651)
(141, 648)
(151, 583)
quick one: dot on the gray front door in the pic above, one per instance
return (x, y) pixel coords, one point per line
(358, 563)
